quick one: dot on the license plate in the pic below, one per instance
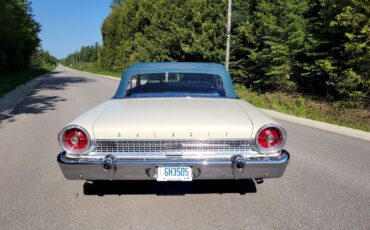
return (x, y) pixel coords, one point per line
(180, 173)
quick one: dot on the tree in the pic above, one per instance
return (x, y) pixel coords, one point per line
(353, 22)
(162, 30)
(88, 54)
(318, 47)
(19, 35)
(269, 43)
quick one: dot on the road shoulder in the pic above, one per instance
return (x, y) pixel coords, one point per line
(11, 99)
(319, 125)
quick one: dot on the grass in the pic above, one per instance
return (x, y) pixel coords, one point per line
(297, 105)
(9, 81)
(301, 106)
(94, 68)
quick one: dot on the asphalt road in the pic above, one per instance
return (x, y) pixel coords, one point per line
(326, 184)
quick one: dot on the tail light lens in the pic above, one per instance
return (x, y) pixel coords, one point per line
(75, 140)
(270, 138)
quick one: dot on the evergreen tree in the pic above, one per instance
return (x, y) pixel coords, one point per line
(319, 47)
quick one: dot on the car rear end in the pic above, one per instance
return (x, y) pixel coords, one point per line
(173, 160)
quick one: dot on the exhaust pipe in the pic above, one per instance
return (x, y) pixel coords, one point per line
(259, 180)
(238, 162)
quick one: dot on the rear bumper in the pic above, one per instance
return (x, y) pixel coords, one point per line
(146, 169)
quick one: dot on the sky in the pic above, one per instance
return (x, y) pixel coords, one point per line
(69, 24)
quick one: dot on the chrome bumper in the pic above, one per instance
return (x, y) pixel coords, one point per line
(112, 168)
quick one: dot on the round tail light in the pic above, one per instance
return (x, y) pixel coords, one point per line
(270, 138)
(74, 139)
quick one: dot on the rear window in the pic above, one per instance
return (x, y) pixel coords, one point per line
(175, 85)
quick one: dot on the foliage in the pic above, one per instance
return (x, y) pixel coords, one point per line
(139, 31)
(43, 59)
(352, 24)
(9, 81)
(18, 35)
(95, 68)
(315, 47)
(87, 54)
(268, 43)
(338, 50)
(21, 59)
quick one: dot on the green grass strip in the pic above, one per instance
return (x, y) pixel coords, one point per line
(9, 81)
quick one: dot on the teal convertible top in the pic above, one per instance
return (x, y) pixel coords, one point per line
(176, 67)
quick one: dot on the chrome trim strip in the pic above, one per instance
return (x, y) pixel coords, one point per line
(208, 155)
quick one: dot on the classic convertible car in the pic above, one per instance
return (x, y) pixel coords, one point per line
(173, 122)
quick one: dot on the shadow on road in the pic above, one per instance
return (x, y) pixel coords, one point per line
(102, 188)
(37, 102)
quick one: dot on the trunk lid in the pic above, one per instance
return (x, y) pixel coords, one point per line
(173, 118)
